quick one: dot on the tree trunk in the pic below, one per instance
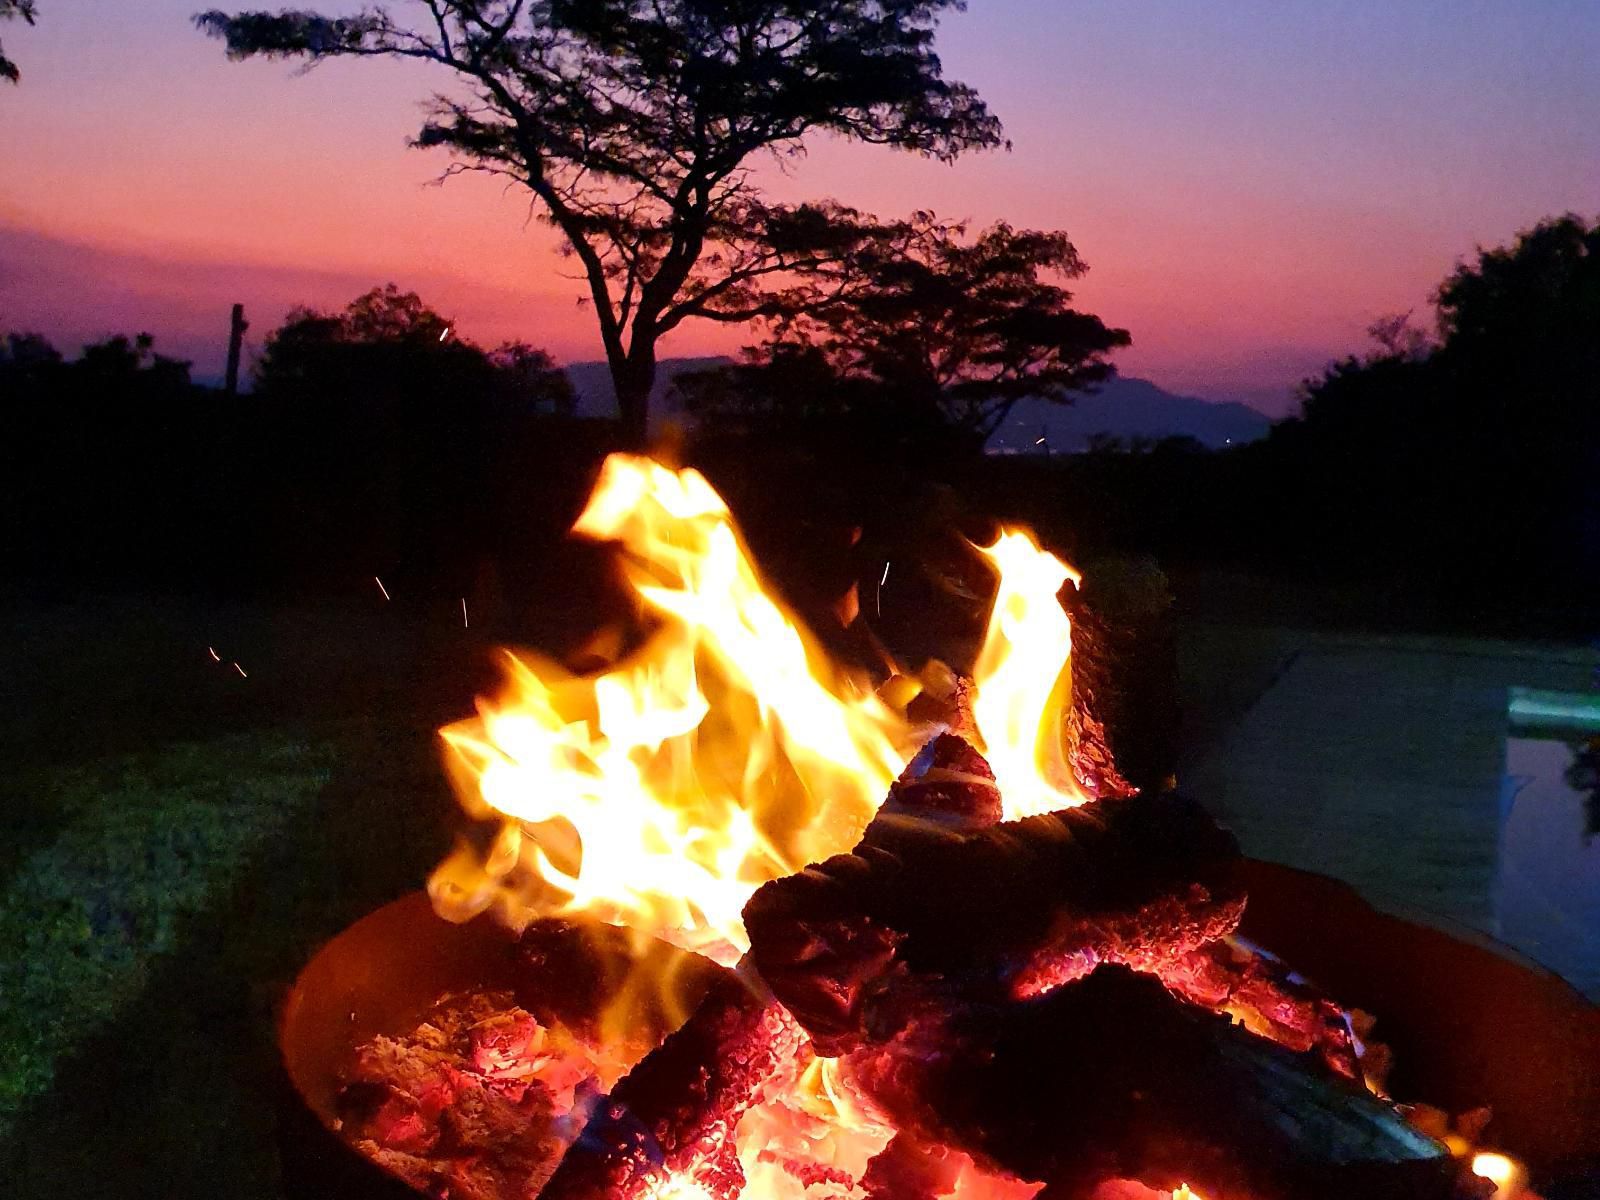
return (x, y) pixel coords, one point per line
(633, 378)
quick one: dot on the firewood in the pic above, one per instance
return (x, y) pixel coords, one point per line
(1116, 1078)
(1018, 907)
(674, 1113)
(947, 781)
(1265, 994)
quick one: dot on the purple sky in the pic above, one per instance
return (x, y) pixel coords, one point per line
(1251, 183)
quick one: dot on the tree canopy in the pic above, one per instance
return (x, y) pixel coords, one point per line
(1489, 436)
(27, 10)
(637, 124)
(388, 346)
(1518, 347)
(933, 320)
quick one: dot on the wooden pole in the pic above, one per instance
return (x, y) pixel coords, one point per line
(235, 345)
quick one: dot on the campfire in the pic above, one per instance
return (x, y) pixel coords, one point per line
(785, 932)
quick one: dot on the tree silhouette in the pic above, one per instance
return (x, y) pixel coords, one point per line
(387, 438)
(27, 10)
(935, 321)
(1529, 314)
(24, 356)
(1487, 441)
(389, 346)
(635, 126)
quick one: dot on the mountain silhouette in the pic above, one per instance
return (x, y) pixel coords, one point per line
(1124, 408)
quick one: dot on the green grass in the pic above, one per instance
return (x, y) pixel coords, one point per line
(148, 842)
(146, 941)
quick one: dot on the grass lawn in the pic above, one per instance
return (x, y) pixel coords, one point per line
(146, 946)
(178, 841)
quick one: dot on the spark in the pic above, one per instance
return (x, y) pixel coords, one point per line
(464, 624)
(381, 588)
(215, 657)
(1040, 442)
(241, 670)
(882, 579)
(445, 334)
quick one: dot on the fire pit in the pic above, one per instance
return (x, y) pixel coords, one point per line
(1014, 973)
(1470, 1024)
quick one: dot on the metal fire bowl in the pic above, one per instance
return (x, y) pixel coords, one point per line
(1471, 1022)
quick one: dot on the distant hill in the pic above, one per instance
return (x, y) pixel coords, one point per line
(597, 398)
(1123, 408)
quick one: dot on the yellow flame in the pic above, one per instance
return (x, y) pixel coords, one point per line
(659, 793)
(1503, 1172)
(724, 750)
(1023, 678)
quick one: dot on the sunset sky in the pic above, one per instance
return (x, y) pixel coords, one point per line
(1251, 183)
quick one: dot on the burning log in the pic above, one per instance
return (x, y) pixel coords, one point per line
(1115, 1078)
(1016, 908)
(947, 782)
(1268, 998)
(673, 1115)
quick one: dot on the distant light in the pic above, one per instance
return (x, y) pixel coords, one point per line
(1227, 441)
(1040, 442)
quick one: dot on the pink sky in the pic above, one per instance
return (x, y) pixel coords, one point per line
(1251, 187)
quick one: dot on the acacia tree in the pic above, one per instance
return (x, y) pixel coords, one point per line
(25, 9)
(934, 320)
(636, 125)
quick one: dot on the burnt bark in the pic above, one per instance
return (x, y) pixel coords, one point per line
(1010, 910)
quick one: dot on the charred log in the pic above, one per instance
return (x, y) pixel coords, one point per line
(1268, 997)
(1017, 908)
(674, 1113)
(948, 784)
(1115, 1078)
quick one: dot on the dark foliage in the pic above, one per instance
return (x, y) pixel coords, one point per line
(635, 124)
(1482, 451)
(394, 431)
(27, 10)
(934, 326)
(1457, 473)
(376, 442)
